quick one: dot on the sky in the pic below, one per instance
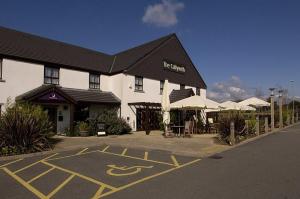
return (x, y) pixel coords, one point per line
(241, 48)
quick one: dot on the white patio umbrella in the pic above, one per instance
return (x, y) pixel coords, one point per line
(230, 105)
(165, 105)
(254, 101)
(195, 102)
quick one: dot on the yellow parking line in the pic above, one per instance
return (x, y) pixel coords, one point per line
(67, 156)
(124, 151)
(99, 192)
(149, 177)
(105, 148)
(127, 156)
(175, 161)
(80, 152)
(25, 184)
(52, 193)
(79, 175)
(11, 162)
(28, 166)
(146, 155)
(40, 175)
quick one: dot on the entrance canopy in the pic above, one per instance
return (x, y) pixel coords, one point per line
(254, 101)
(195, 102)
(57, 94)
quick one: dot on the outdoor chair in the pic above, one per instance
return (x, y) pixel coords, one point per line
(187, 128)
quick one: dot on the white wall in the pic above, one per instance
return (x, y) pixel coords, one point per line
(19, 78)
(151, 94)
(73, 79)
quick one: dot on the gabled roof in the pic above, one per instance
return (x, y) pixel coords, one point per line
(177, 95)
(72, 95)
(31, 47)
(19, 45)
(125, 59)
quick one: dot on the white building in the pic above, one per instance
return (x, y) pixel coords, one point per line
(73, 83)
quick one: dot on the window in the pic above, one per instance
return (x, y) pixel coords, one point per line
(161, 86)
(182, 86)
(51, 75)
(138, 83)
(198, 91)
(1, 60)
(94, 81)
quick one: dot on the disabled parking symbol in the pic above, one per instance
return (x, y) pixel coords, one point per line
(119, 171)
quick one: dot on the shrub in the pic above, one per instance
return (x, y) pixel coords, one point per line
(113, 124)
(239, 124)
(24, 128)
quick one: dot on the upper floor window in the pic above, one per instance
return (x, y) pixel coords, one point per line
(138, 83)
(198, 91)
(94, 81)
(51, 75)
(182, 86)
(161, 87)
(1, 60)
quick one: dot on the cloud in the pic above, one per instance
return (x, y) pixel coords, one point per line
(232, 89)
(163, 14)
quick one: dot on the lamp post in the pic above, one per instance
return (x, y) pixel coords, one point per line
(293, 112)
(272, 108)
(280, 109)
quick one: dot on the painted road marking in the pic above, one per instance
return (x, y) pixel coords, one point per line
(98, 193)
(125, 169)
(146, 155)
(132, 157)
(9, 163)
(124, 151)
(80, 152)
(28, 166)
(40, 175)
(59, 187)
(67, 156)
(175, 161)
(149, 177)
(113, 170)
(25, 184)
(105, 148)
(79, 175)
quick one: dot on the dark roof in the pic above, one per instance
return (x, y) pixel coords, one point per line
(94, 96)
(27, 46)
(127, 58)
(20, 45)
(177, 95)
(72, 95)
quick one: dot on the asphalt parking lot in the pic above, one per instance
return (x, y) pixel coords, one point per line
(86, 173)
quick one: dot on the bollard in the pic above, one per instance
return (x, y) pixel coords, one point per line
(288, 121)
(247, 126)
(232, 136)
(257, 125)
(266, 125)
(297, 117)
(272, 113)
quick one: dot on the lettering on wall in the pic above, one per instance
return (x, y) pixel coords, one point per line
(173, 67)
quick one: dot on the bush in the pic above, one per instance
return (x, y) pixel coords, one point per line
(239, 124)
(24, 128)
(113, 124)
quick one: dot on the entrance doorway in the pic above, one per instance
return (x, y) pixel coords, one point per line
(52, 114)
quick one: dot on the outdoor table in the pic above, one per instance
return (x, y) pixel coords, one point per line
(179, 128)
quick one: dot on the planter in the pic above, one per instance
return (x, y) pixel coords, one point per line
(84, 133)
